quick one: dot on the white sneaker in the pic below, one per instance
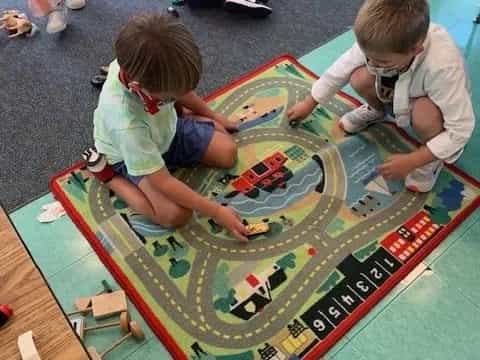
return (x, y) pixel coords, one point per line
(75, 4)
(253, 7)
(56, 21)
(95, 161)
(358, 119)
(423, 179)
(97, 164)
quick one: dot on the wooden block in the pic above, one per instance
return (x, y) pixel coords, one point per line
(93, 353)
(83, 303)
(255, 229)
(27, 348)
(106, 305)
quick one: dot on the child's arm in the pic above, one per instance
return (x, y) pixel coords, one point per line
(182, 195)
(142, 158)
(398, 166)
(448, 88)
(199, 107)
(335, 78)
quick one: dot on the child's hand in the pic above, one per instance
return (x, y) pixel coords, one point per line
(301, 110)
(226, 125)
(229, 219)
(397, 166)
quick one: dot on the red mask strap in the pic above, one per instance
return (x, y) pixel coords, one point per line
(151, 104)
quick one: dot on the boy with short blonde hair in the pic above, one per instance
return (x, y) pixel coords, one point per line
(138, 133)
(405, 67)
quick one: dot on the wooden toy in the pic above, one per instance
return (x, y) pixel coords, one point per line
(134, 331)
(123, 323)
(109, 304)
(6, 313)
(16, 23)
(94, 355)
(83, 304)
(82, 311)
(105, 303)
(256, 229)
(27, 348)
(9, 18)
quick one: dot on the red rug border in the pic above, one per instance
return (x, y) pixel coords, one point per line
(155, 324)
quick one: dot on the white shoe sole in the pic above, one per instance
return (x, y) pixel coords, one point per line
(58, 28)
(54, 30)
(75, 7)
(57, 21)
(253, 9)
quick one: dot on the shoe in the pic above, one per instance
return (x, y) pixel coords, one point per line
(252, 7)
(104, 69)
(75, 4)
(56, 21)
(98, 80)
(423, 179)
(360, 118)
(97, 164)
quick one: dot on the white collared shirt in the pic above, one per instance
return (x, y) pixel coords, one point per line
(438, 72)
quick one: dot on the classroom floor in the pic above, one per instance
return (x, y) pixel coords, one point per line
(433, 314)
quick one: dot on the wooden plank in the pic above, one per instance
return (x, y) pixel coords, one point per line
(35, 308)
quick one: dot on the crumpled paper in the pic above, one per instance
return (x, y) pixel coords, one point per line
(51, 212)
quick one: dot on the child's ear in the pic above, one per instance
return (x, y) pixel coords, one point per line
(134, 85)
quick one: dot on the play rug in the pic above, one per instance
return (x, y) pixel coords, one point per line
(340, 236)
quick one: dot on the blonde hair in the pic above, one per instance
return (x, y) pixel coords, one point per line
(160, 53)
(392, 26)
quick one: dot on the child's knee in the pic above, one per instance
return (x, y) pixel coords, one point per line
(175, 218)
(427, 118)
(229, 154)
(362, 81)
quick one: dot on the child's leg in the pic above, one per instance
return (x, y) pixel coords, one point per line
(164, 211)
(221, 152)
(42, 7)
(427, 119)
(198, 142)
(364, 84)
(145, 200)
(427, 122)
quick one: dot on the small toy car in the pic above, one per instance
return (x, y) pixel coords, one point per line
(256, 229)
